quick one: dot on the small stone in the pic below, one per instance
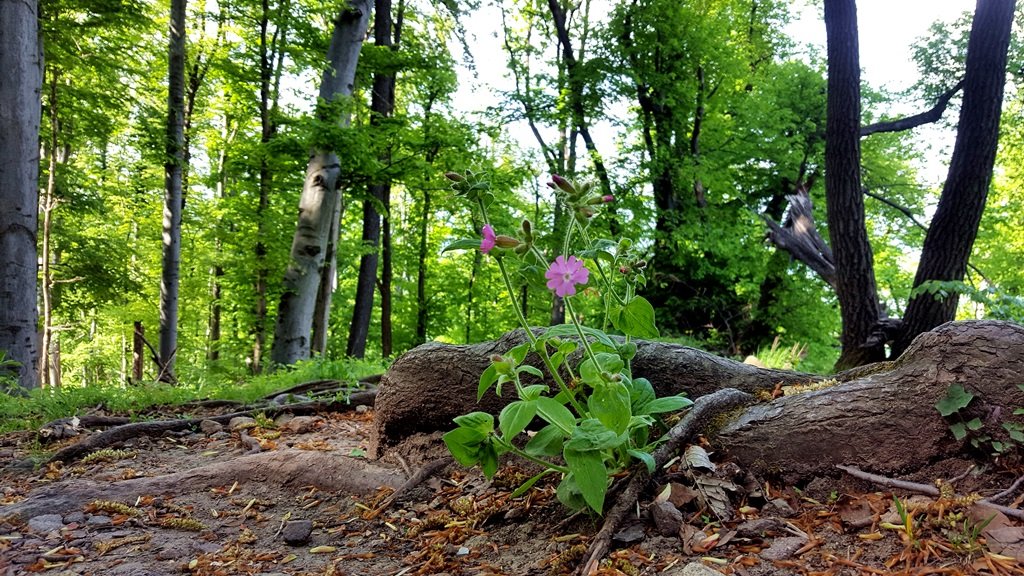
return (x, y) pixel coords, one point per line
(667, 518)
(206, 547)
(758, 528)
(46, 523)
(778, 507)
(210, 427)
(99, 520)
(241, 422)
(698, 569)
(297, 532)
(630, 534)
(783, 548)
(463, 551)
(220, 436)
(302, 424)
(171, 553)
(74, 517)
(283, 419)
(362, 409)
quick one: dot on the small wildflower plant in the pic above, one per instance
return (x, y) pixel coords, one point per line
(598, 416)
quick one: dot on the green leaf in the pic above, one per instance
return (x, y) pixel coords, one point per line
(568, 330)
(640, 393)
(592, 434)
(958, 430)
(609, 403)
(998, 446)
(644, 457)
(590, 372)
(974, 424)
(480, 421)
(529, 483)
(569, 494)
(519, 352)
(591, 476)
(515, 417)
(547, 442)
(667, 404)
(556, 413)
(955, 400)
(533, 392)
(462, 244)
(488, 459)
(636, 319)
(487, 379)
(464, 444)
(530, 370)
(1015, 433)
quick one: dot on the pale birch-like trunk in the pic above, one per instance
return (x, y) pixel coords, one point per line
(173, 198)
(319, 196)
(22, 64)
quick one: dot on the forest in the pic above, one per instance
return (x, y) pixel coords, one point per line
(263, 259)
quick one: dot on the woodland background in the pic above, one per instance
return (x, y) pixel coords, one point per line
(718, 117)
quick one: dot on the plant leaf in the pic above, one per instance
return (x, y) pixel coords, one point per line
(636, 319)
(556, 413)
(515, 417)
(609, 403)
(462, 244)
(955, 400)
(547, 442)
(591, 476)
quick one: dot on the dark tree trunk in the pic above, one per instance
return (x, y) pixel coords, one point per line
(174, 194)
(386, 274)
(138, 352)
(854, 263)
(381, 106)
(422, 311)
(947, 245)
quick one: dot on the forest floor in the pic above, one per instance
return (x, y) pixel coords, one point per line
(301, 496)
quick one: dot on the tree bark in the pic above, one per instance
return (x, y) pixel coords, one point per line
(382, 105)
(47, 206)
(21, 60)
(881, 417)
(951, 234)
(316, 204)
(173, 198)
(854, 263)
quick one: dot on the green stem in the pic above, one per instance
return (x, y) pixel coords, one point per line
(583, 338)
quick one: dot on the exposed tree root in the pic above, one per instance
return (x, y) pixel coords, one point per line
(155, 427)
(421, 476)
(68, 427)
(699, 417)
(929, 490)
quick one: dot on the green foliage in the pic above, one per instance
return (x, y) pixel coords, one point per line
(953, 407)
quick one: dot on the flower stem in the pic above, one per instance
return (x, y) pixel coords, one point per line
(579, 330)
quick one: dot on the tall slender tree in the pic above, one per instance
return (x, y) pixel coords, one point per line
(173, 191)
(22, 62)
(319, 194)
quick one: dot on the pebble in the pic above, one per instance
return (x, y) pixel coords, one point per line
(210, 427)
(692, 569)
(667, 518)
(241, 422)
(302, 424)
(297, 531)
(783, 548)
(463, 551)
(74, 517)
(629, 535)
(778, 507)
(758, 528)
(46, 523)
(99, 520)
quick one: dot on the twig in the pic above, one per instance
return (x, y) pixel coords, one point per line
(251, 443)
(924, 489)
(1006, 493)
(704, 409)
(422, 475)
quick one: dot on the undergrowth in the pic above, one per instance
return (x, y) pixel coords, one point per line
(28, 412)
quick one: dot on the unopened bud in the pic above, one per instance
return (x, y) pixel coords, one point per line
(563, 184)
(585, 212)
(608, 198)
(455, 176)
(527, 227)
(624, 269)
(496, 358)
(640, 264)
(502, 241)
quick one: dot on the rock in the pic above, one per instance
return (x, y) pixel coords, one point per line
(302, 424)
(220, 436)
(99, 520)
(282, 399)
(629, 535)
(172, 552)
(283, 419)
(758, 528)
(296, 532)
(241, 422)
(462, 551)
(691, 569)
(783, 548)
(778, 507)
(209, 427)
(206, 547)
(74, 517)
(46, 523)
(666, 517)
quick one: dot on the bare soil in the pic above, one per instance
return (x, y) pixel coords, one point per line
(216, 504)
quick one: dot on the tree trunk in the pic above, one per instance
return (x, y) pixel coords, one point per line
(951, 234)
(173, 198)
(319, 194)
(386, 275)
(381, 106)
(138, 352)
(848, 419)
(328, 276)
(22, 62)
(422, 311)
(854, 262)
(47, 206)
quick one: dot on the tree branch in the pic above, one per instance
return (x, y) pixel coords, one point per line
(911, 122)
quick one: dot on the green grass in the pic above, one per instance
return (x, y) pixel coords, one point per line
(41, 406)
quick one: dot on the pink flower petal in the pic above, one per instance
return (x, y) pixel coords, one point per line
(488, 239)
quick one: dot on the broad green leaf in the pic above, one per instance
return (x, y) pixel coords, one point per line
(591, 475)
(974, 424)
(636, 319)
(519, 352)
(480, 421)
(533, 392)
(627, 351)
(487, 379)
(667, 404)
(609, 403)
(569, 494)
(590, 372)
(547, 442)
(531, 370)
(640, 394)
(462, 244)
(464, 444)
(568, 330)
(488, 459)
(594, 435)
(556, 413)
(958, 430)
(644, 457)
(515, 418)
(955, 400)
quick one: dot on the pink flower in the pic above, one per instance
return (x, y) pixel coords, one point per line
(563, 275)
(487, 242)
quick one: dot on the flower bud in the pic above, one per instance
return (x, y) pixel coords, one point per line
(455, 176)
(527, 227)
(502, 241)
(585, 212)
(563, 184)
(623, 269)
(608, 198)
